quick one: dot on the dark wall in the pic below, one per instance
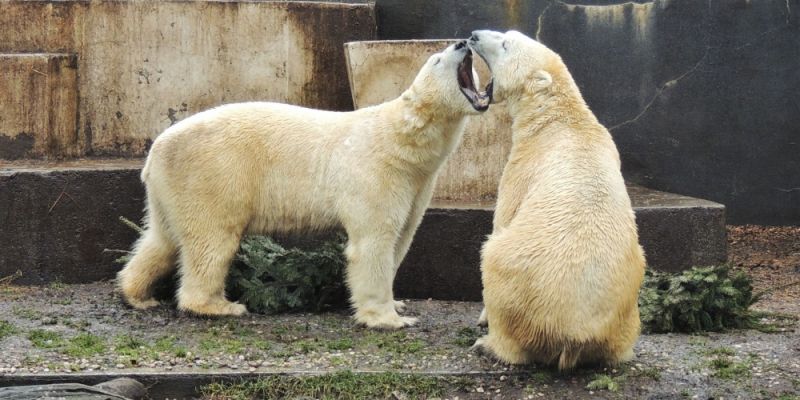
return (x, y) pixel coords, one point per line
(702, 97)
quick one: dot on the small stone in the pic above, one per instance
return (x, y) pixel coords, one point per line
(479, 389)
(252, 369)
(120, 366)
(503, 377)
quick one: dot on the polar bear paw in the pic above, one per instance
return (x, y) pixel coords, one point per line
(399, 306)
(142, 304)
(215, 308)
(386, 320)
(483, 320)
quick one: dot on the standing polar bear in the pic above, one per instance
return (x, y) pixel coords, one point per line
(563, 266)
(273, 168)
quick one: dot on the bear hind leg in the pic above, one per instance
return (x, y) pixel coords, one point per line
(502, 348)
(153, 258)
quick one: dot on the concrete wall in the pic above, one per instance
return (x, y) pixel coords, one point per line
(141, 66)
(42, 88)
(701, 96)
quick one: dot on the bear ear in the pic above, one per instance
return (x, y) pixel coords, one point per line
(542, 78)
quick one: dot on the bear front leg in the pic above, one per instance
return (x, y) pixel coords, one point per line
(204, 267)
(421, 202)
(370, 276)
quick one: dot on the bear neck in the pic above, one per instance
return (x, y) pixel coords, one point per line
(561, 102)
(424, 132)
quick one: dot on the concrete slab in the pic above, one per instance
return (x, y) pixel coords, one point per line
(145, 65)
(39, 105)
(58, 217)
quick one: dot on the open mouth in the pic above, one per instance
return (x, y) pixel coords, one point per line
(480, 100)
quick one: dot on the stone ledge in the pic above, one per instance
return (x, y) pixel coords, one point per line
(60, 216)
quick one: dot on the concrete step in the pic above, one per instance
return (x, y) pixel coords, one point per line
(57, 218)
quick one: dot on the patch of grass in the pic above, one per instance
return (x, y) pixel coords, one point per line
(222, 344)
(685, 393)
(339, 344)
(720, 351)
(130, 348)
(697, 340)
(343, 385)
(339, 361)
(219, 340)
(6, 329)
(788, 396)
(725, 367)
(279, 330)
(466, 337)
(603, 382)
(306, 346)
(85, 345)
(57, 284)
(27, 313)
(542, 377)
(261, 344)
(651, 372)
(772, 322)
(395, 342)
(45, 339)
(169, 345)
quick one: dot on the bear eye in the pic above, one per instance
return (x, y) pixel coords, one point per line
(437, 59)
(504, 45)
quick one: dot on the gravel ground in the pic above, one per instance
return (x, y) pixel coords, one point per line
(79, 329)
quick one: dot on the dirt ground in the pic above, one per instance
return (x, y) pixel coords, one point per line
(771, 256)
(84, 329)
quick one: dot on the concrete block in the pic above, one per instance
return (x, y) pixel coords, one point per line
(57, 218)
(146, 65)
(39, 105)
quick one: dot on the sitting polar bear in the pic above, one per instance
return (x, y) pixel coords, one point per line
(273, 168)
(563, 266)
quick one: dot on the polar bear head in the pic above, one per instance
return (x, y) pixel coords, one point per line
(519, 65)
(447, 82)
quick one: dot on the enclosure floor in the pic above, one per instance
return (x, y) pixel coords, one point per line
(164, 340)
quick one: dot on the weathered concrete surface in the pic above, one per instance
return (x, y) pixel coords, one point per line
(57, 219)
(39, 105)
(701, 96)
(145, 65)
(382, 70)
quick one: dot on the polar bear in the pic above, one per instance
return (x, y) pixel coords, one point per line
(562, 268)
(255, 168)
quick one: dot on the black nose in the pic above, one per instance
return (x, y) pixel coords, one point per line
(474, 37)
(460, 45)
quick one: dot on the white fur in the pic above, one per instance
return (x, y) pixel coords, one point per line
(256, 168)
(563, 266)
